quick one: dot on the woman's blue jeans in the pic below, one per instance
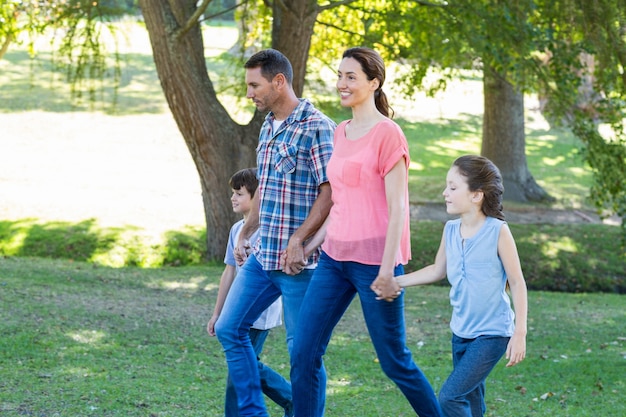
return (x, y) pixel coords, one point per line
(330, 292)
(252, 292)
(463, 393)
(277, 388)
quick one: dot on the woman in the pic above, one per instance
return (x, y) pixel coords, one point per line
(366, 243)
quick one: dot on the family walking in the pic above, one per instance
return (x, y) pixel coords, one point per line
(330, 221)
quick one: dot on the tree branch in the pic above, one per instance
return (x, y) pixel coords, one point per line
(194, 19)
(224, 11)
(333, 4)
(431, 4)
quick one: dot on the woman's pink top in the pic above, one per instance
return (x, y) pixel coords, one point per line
(359, 216)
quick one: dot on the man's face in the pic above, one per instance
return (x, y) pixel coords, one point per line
(261, 91)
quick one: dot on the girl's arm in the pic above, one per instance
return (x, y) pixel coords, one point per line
(385, 286)
(428, 274)
(507, 250)
(226, 281)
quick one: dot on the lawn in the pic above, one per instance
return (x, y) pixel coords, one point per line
(87, 185)
(83, 340)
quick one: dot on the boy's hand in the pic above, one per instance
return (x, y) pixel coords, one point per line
(210, 327)
(242, 250)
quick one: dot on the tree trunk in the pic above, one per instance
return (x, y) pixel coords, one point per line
(5, 45)
(504, 140)
(218, 145)
(292, 29)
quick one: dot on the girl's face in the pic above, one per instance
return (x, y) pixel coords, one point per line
(241, 200)
(459, 199)
(352, 83)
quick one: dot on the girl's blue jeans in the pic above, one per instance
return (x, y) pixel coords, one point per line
(332, 289)
(463, 393)
(252, 292)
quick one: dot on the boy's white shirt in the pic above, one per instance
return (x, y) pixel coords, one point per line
(272, 316)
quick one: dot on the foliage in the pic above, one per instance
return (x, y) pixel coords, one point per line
(84, 340)
(540, 46)
(78, 31)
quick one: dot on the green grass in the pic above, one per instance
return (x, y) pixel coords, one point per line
(84, 340)
(91, 328)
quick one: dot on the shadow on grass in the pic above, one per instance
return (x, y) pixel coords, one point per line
(117, 247)
(573, 258)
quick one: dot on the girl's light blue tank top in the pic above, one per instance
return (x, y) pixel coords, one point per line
(480, 304)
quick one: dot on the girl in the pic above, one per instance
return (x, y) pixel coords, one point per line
(479, 257)
(365, 243)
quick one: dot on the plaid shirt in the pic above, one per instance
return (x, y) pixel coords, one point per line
(291, 164)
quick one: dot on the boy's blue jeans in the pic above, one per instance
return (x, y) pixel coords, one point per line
(277, 388)
(252, 292)
(330, 292)
(463, 393)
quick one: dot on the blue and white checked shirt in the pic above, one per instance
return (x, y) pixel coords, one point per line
(291, 166)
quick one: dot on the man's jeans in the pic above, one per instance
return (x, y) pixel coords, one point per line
(252, 292)
(277, 388)
(463, 393)
(331, 291)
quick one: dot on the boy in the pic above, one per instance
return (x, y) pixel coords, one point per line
(244, 184)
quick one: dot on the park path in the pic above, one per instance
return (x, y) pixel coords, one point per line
(129, 171)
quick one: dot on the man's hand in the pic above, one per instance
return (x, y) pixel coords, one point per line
(292, 259)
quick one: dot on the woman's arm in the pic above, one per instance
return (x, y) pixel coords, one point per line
(385, 286)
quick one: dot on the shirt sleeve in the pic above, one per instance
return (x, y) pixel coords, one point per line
(393, 146)
(322, 149)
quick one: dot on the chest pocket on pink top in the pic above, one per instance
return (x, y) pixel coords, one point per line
(286, 158)
(352, 173)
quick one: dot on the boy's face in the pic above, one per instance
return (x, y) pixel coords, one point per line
(241, 200)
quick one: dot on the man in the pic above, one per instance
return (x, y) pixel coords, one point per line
(292, 202)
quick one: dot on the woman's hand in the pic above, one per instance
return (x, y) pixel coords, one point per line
(386, 288)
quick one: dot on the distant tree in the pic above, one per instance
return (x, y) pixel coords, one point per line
(571, 52)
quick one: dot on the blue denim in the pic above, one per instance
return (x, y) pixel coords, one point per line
(277, 388)
(252, 292)
(332, 289)
(463, 393)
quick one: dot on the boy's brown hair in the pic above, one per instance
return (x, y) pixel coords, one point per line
(245, 178)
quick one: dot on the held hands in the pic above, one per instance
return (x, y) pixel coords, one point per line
(516, 349)
(292, 260)
(242, 250)
(386, 288)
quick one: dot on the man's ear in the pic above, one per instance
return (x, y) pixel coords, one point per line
(280, 80)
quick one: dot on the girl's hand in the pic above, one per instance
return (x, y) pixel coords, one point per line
(386, 288)
(516, 349)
